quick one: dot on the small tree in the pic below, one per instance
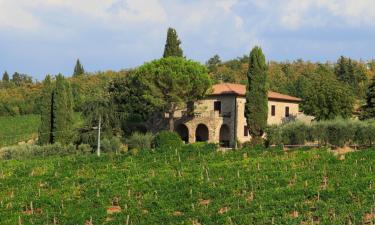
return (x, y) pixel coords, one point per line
(213, 62)
(172, 45)
(256, 108)
(5, 77)
(78, 69)
(170, 83)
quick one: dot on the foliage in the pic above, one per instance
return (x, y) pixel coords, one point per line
(62, 112)
(368, 110)
(111, 145)
(5, 78)
(169, 83)
(172, 46)
(213, 63)
(325, 97)
(256, 107)
(168, 140)
(78, 69)
(209, 187)
(84, 148)
(337, 133)
(46, 109)
(22, 152)
(139, 140)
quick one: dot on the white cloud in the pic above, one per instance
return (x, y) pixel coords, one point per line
(297, 13)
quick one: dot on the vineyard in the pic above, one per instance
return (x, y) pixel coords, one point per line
(193, 185)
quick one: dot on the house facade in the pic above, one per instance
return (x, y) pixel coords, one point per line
(220, 117)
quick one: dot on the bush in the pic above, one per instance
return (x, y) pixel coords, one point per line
(168, 140)
(140, 141)
(34, 151)
(295, 133)
(274, 136)
(84, 148)
(116, 144)
(105, 145)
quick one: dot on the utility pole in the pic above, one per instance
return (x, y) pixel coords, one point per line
(99, 128)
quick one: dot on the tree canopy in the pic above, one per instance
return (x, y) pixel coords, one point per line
(170, 83)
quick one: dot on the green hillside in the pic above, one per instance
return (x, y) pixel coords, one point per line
(195, 185)
(14, 129)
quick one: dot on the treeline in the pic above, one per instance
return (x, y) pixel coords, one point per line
(25, 97)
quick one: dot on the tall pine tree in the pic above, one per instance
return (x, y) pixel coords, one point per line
(172, 46)
(45, 129)
(78, 69)
(256, 108)
(368, 110)
(5, 77)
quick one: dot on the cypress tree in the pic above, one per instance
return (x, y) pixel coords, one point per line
(78, 69)
(60, 113)
(256, 108)
(45, 129)
(368, 110)
(5, 77)
(172, 45)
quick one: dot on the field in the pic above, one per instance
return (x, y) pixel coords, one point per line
(18, 128)
(193, 185)
(15, 129)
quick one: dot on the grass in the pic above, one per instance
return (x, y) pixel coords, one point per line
(15, 129)
(190, 186)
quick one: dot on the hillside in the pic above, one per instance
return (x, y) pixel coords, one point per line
(15, 129)
(195, 185)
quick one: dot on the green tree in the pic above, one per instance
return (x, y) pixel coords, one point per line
(368, 110)
(170, 83)
(213, 63)
(45, 129)
(325, 97)
(351, 73)
(78, 69)
(256, 108)
(172, 45)
(5, 77)
(62, 112)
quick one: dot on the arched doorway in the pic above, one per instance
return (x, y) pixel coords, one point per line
(224, 138)
(201, 133)
(183, 131)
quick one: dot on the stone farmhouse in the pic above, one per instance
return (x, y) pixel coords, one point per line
(220, 117)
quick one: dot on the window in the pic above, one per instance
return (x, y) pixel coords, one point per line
(287, 111)
(245, 131)
(273, 110)
(217, 106)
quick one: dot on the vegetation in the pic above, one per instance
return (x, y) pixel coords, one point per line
(168, 140)
(170, 83)
(18, 128)
(256, 107)
(193, 184)
(336, 133)
(78, 69)
(368, 110)
(172, 46)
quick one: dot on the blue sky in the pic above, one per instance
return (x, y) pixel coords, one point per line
(42, 37)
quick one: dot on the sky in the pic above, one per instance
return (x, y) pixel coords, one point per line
(40, 37)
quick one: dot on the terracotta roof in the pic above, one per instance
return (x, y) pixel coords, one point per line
(239, 89)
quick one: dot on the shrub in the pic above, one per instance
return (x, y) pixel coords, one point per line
(116, 144)
(84, 148)
(274, 136)
(105, 145)
(140, 141)
(168, 140)
(295, 133)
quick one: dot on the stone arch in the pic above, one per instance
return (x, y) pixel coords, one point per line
(183, 131)
(201, 133)
(224, 138)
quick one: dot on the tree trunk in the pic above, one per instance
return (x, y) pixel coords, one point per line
(171, 121)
